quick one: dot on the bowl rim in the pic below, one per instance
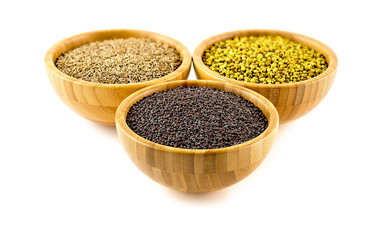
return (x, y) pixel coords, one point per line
(332, 59)
(181, 49)
(127, 103)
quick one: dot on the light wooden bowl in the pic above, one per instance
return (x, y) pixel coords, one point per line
(190, 170)
(292, 100)
(99, 102)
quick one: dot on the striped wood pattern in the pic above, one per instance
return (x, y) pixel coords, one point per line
(99, 102)
(191, 170)
(292, 100)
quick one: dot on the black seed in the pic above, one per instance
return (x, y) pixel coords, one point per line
(196, 118)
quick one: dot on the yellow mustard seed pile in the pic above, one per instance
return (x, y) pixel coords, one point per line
(264, 59)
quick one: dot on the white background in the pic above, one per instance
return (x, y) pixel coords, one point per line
(63, 177)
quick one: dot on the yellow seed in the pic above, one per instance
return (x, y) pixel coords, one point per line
(272, 60)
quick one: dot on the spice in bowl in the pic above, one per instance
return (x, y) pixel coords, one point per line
(264, 59)
(120, 61)
(196, 118)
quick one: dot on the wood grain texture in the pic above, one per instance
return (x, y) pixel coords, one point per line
(191, 170)
(99, 102)
(292, 100)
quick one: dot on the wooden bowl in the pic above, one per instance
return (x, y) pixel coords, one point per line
(99, 102)
(292, 100)
(190, 170)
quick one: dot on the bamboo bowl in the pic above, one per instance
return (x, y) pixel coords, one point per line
(190, 170)
(292, 100)
(95, 101)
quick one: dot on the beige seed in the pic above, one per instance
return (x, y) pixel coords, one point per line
(120, 61)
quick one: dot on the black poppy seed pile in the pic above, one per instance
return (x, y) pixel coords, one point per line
(196, 118)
